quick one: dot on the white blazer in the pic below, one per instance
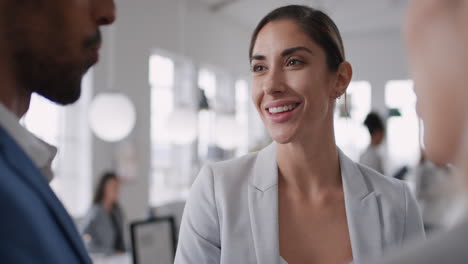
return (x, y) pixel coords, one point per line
(231, 215)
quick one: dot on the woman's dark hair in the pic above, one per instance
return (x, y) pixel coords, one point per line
(316, 24)
(99, 193)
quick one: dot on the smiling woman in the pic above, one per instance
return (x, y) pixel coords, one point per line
(299, 200)
(295, 71)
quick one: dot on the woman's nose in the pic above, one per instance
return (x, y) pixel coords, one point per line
(274, 83)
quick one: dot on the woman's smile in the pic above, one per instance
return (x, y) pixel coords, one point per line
(281, 111)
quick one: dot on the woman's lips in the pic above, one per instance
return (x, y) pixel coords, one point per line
(281, 112)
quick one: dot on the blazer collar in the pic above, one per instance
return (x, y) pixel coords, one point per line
(29, 173)
(362, 210)
(266, 169)
(263, 206)
(354, 183)
(40, 152)
(266, 173)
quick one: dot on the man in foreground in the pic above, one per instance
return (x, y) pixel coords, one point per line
(46, 46)
(437, 45)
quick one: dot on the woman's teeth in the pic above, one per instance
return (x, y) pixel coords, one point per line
(280, 109)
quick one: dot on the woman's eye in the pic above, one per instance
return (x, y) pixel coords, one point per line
(258, 68)
(294, 62)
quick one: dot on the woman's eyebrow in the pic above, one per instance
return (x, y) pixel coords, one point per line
(285, 53)
(290, 51)
(257, 57)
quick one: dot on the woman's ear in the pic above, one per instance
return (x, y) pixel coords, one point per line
(343, 78)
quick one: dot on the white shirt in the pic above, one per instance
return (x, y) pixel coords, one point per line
(282, 261)
(41, 153)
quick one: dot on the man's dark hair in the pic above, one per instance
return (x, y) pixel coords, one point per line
(374, 123)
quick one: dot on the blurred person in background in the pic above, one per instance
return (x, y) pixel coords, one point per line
(433, 188)
(437, 45)
(103, 227)
(46, 46)
(372, 156)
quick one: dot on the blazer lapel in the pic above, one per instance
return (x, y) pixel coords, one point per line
(28, 172)
(361, 204)
(263, 206)
(362, 211)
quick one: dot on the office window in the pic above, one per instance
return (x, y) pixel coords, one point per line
(351, 135)
(403, 125)
(207, 117)
(67, 129)
(162, 103)
(161, 78)
(242, 116)
(259, 136)
(207, 82)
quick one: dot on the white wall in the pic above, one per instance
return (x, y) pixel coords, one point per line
(377, 57)
(171, 25)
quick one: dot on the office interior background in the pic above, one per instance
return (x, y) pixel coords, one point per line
(183, 66)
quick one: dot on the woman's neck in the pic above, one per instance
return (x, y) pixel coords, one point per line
(310, 166)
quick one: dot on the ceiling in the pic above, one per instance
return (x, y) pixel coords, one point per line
(351, 16)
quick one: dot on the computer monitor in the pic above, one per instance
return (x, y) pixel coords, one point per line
(153, 241)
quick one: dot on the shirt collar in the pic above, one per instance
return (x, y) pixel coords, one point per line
(41, 153)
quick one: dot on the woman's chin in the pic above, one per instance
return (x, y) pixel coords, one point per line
(282, 138)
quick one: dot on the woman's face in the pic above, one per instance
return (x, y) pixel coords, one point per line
(437, 48)
(111, 190)
(293, 90)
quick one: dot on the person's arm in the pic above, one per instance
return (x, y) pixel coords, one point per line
(121, 243)
(414, 227)
(379, 164)
(92, 233)
(199, 237)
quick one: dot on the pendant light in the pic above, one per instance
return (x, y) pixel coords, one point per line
(112, 114)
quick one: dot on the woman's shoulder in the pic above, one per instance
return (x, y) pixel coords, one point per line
(396, 202)
(233, 172)
(224, 177)
(244, 162)
(370, 179)
(94, 215)
(379, 181)
(390, 190)
(96, 210)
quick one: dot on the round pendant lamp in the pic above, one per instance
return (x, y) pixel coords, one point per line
(112, 116)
